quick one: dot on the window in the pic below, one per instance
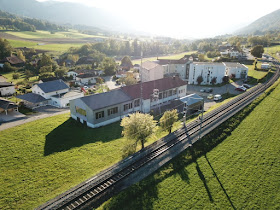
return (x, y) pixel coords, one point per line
(137, 103)
(127, 106)
(112, 111)
(160, 96)
(81, 111)
(170, 93)
(99, 115)
(174, 91)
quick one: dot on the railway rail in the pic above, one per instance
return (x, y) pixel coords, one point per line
(89, 192)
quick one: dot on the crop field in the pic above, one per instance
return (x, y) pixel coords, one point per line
(47, 47)
(44, 158)
(242, 172)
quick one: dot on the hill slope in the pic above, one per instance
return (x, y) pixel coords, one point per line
(242, 172)
(63, 13)
(266, 23)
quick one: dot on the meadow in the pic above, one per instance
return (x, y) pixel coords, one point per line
(241, 172)
(43, 158)
(58, 48)
(273, 50)
(46, 34)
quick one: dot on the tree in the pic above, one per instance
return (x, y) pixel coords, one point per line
(28, 74)
(60, 72)
(109, 66)
(16, 75)
(45, 60)
(199, 80)
(7, 67)
(257, 51)
(137, 127)
(168, 119)
(126, 61)
(226, 81)
(20, 55)
(214, 80)
(5, 48)
(201, 57)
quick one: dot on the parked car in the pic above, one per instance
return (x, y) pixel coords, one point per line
(209, 90)
(210, 96)
(241, 88)
(203, 90)
(217, 97)
(85, 87)
(246, 86)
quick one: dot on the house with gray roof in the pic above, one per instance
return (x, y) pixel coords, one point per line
(105, 108)
(56, 93)
(7, 88)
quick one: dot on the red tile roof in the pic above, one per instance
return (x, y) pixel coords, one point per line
(134, 91)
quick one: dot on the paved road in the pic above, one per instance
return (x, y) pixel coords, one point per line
(31, 118)
(110, 83)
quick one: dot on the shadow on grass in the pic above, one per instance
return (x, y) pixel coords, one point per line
(219, 182)
(72, 134)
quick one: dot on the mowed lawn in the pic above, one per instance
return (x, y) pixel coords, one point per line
(242, 172)
(44, 158)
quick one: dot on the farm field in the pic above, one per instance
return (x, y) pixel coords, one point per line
(46, 34)
(242, 172)
(47, 47)
(175, 56)
(44, 158)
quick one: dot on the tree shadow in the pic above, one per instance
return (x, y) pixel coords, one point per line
(219, 182)
(72, 134)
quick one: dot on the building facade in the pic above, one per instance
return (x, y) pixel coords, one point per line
(150, 71)
(7, 88)
(105, 108)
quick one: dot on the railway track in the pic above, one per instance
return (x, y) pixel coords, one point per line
(88, 192)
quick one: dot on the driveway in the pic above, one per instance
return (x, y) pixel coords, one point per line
(110, 83)
(47, 111)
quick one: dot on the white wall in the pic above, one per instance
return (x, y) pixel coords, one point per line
(7, 90)
(151, 74)
(207, 71)
(37, 90)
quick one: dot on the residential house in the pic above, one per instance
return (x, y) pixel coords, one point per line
(86, 79)
(14, 61)
(236, 69)
(265, 66)
(231, 51)
(84, 71)
(7, 106)
(150, 71)
(176, 67)
(55, 93)
(85, 60)
(7, 88)
(208, 71)
(105, 108)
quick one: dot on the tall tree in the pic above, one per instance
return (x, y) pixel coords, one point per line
(5, 48)
(257, 51)
(109, 66)
(199, 80)
(126, 61)
(168, 119)
(137, 127)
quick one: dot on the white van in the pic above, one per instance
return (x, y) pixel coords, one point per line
(217, 97)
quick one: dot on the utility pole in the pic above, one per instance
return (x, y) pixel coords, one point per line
(141, 87)
(201, 120)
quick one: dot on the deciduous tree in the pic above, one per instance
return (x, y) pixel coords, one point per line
(168, 119)
(137, 127)
(257, 51)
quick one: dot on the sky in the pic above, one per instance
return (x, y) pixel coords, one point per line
(186, 18)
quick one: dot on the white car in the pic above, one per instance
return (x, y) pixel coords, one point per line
(217, 97)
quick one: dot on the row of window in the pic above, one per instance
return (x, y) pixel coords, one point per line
(115, 110)
(167, 93)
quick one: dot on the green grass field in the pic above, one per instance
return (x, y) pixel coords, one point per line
(175, 56)
(272, 51)
(242, 172)
(44, 158)
(48, 47)
(46, 34)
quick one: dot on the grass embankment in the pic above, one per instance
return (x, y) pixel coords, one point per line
(44, 158)
(273, 51)
(236, 166)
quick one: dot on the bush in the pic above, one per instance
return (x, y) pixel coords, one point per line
(16, 76)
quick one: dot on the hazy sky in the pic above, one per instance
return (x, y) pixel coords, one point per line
(186, 18)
